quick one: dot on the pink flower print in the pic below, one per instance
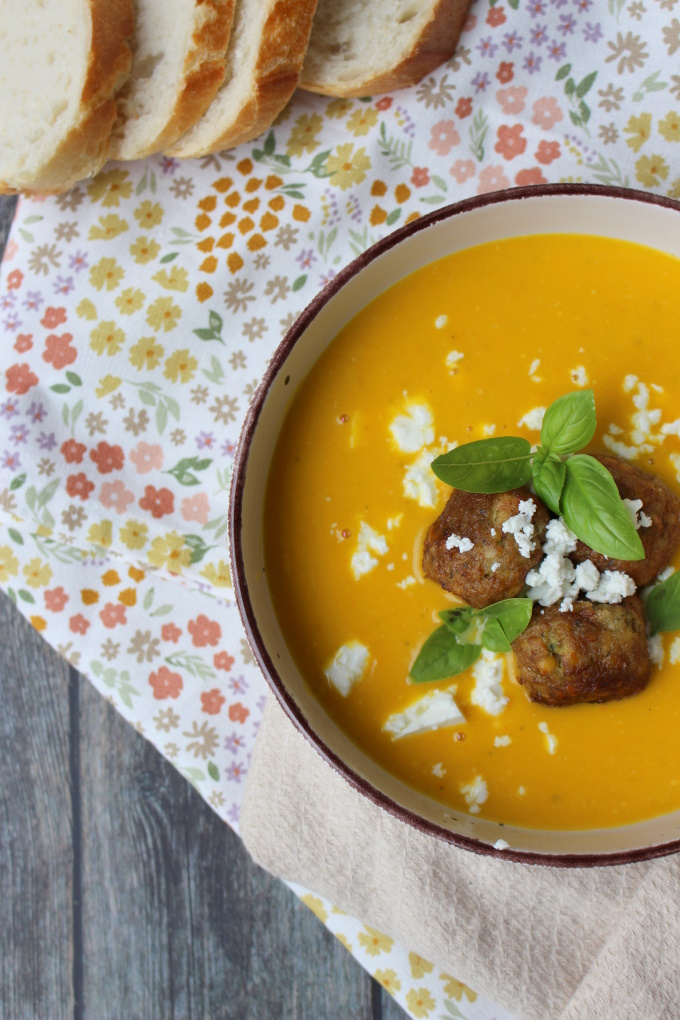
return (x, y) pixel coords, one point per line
(113, 614)
(20, 379)
(196, 508)
(238, 712)
(14, 279)
(55, 599)
(170, 632)
(492, 178)
(107, 458)
(547, 113)
(114, 496)
(510, 141)
(547, 152)
(23, 343)
(58, 350)
(166, 684)
(463, 170)
(212, 701)
(78, 624)
(53, 317)
(420, 177)
(511, 100)
(443, 137)
(204, 631)
(532, 176)
(11, 250)
(147, 457)
(223, 660)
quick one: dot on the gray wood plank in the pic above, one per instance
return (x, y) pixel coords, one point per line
(7, 207)
(177, 920)
(35, 826)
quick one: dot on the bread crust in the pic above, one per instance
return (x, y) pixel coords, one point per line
(282, 48)
(85, 148)
(435, 45)
(204, 69)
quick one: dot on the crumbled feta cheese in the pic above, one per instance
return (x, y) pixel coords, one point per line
(656, 650)
(406, 583)
(674, 651)
(671, 428)
(550, 738)
(493, 532)
(394, 522)
(567, 605)
(439, 770)
(390, 566)
(634, 508)
(441, 321)
(533, 419)
(629, 383)
(587, 576)
(488, 691)
(494, 567)
(501, 844)
(431, 712)
(475, 793)
(521, 528)
(502, 741)
(419, 482)
(368, 541)
(615, 430)
(413, 430)
(620, 449)
(521, 791)
(347, 667)
(463, 545)
(613, 587)
(559, 538)
(533, 368)
(489, 430)
(552, 580)
(452, 359)
(579, 376)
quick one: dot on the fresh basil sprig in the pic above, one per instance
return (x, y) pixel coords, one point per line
(662, 605)
(577, 487)
(456, 645)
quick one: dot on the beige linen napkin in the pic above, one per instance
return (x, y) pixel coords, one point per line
(548, 944)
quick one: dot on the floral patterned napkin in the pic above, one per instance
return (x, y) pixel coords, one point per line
(139, 312)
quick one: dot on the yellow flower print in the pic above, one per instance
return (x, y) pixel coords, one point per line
(344, 941)
(651, 170)
(149, 214)
(128, 597)
(389, 980)
(362, 120)
(419, 966)
(180, 367)
(420, 1002)
(144, 250)
(134, 534)
(38, 622)
(86, 310)
(163, 314)
(106, 274)
(146, 353)
(374, 942)
(669, 127)
(107, 384)
(219, 575)
(9, 564)
(129, 301)
(456, 989)
(109, 227)
(316, 907)
(348, 167)
(106, 339)
(303, 137)
(176, 279)
(639, 128)
(110, 186)
(37, 573)
(674, 190)
(111, 578)
(170, 552)
(101, 534)
(339, 108)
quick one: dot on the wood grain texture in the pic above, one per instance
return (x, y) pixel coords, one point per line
(35, 826)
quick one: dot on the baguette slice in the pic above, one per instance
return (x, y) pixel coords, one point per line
(180, 52)
(61, 63)
(360, 47)
(267, 46)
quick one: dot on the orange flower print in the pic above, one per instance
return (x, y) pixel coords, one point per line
(58, 350)
(79, 486)
(23, 343)
(20, 379)
(165, 683)
(463, 107)
(204, 631)
(492, 178)
(238, 712)
(223, 660)
(495, 17)
(14, 279)
(171, 632)
(510, 141)
(505, 72)
(533, 176)
(53, 317)
(72, 451)
(420, 177)
(159, 502)
(212, 701)
(78, 624)
(107, 458)
(113, 615)
(547, 152)
(55, 599)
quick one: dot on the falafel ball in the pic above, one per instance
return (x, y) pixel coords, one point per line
(597, 652)
(494, 568)
(660, 540)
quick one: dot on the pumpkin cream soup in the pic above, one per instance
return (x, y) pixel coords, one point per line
(484, 345)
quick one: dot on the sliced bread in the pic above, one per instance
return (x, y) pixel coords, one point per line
(267, 46)
(61, 63)
(179, 56)
(360, 47)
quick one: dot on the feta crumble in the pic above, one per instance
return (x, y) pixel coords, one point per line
(521, 528)
(656, 650)
(613, 587)
(463, 545)
(502, 741)
(550, 738)
(533, 419)
(501, 844)
(579, 376)
(489, 430)
(431, 712)
(636, 513)
(441, 321)
(368, 541)
(413, 430)
(475, 793)
(452, 359)
(488, 691)
(533, 368)
(494, 567)
(419, 481)
(347, 666)
(406, 583)
(674, 651)
(438, 770)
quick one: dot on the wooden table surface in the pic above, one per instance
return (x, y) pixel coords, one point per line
(122, 895)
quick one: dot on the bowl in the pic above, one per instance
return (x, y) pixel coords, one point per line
(572, 209)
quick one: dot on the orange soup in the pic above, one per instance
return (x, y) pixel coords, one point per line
(476, 344)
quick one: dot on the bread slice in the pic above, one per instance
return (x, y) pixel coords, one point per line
(267, 46)
(61, 63)
(180, 52)
(360, 47)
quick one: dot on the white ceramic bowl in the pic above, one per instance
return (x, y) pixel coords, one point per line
(570, 209)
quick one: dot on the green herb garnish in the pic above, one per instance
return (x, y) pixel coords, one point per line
(663, 605)
(456, 645)
(577, 487)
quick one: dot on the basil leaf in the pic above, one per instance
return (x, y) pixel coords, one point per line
(512, 614)
(487, 465)
(493, 636)
(593, 509)
(457, 620)
(569, 423)
(495, 627)
(441, 656)
(548, 473)
(663, 605)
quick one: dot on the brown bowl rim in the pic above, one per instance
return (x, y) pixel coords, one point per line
(267, 666)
